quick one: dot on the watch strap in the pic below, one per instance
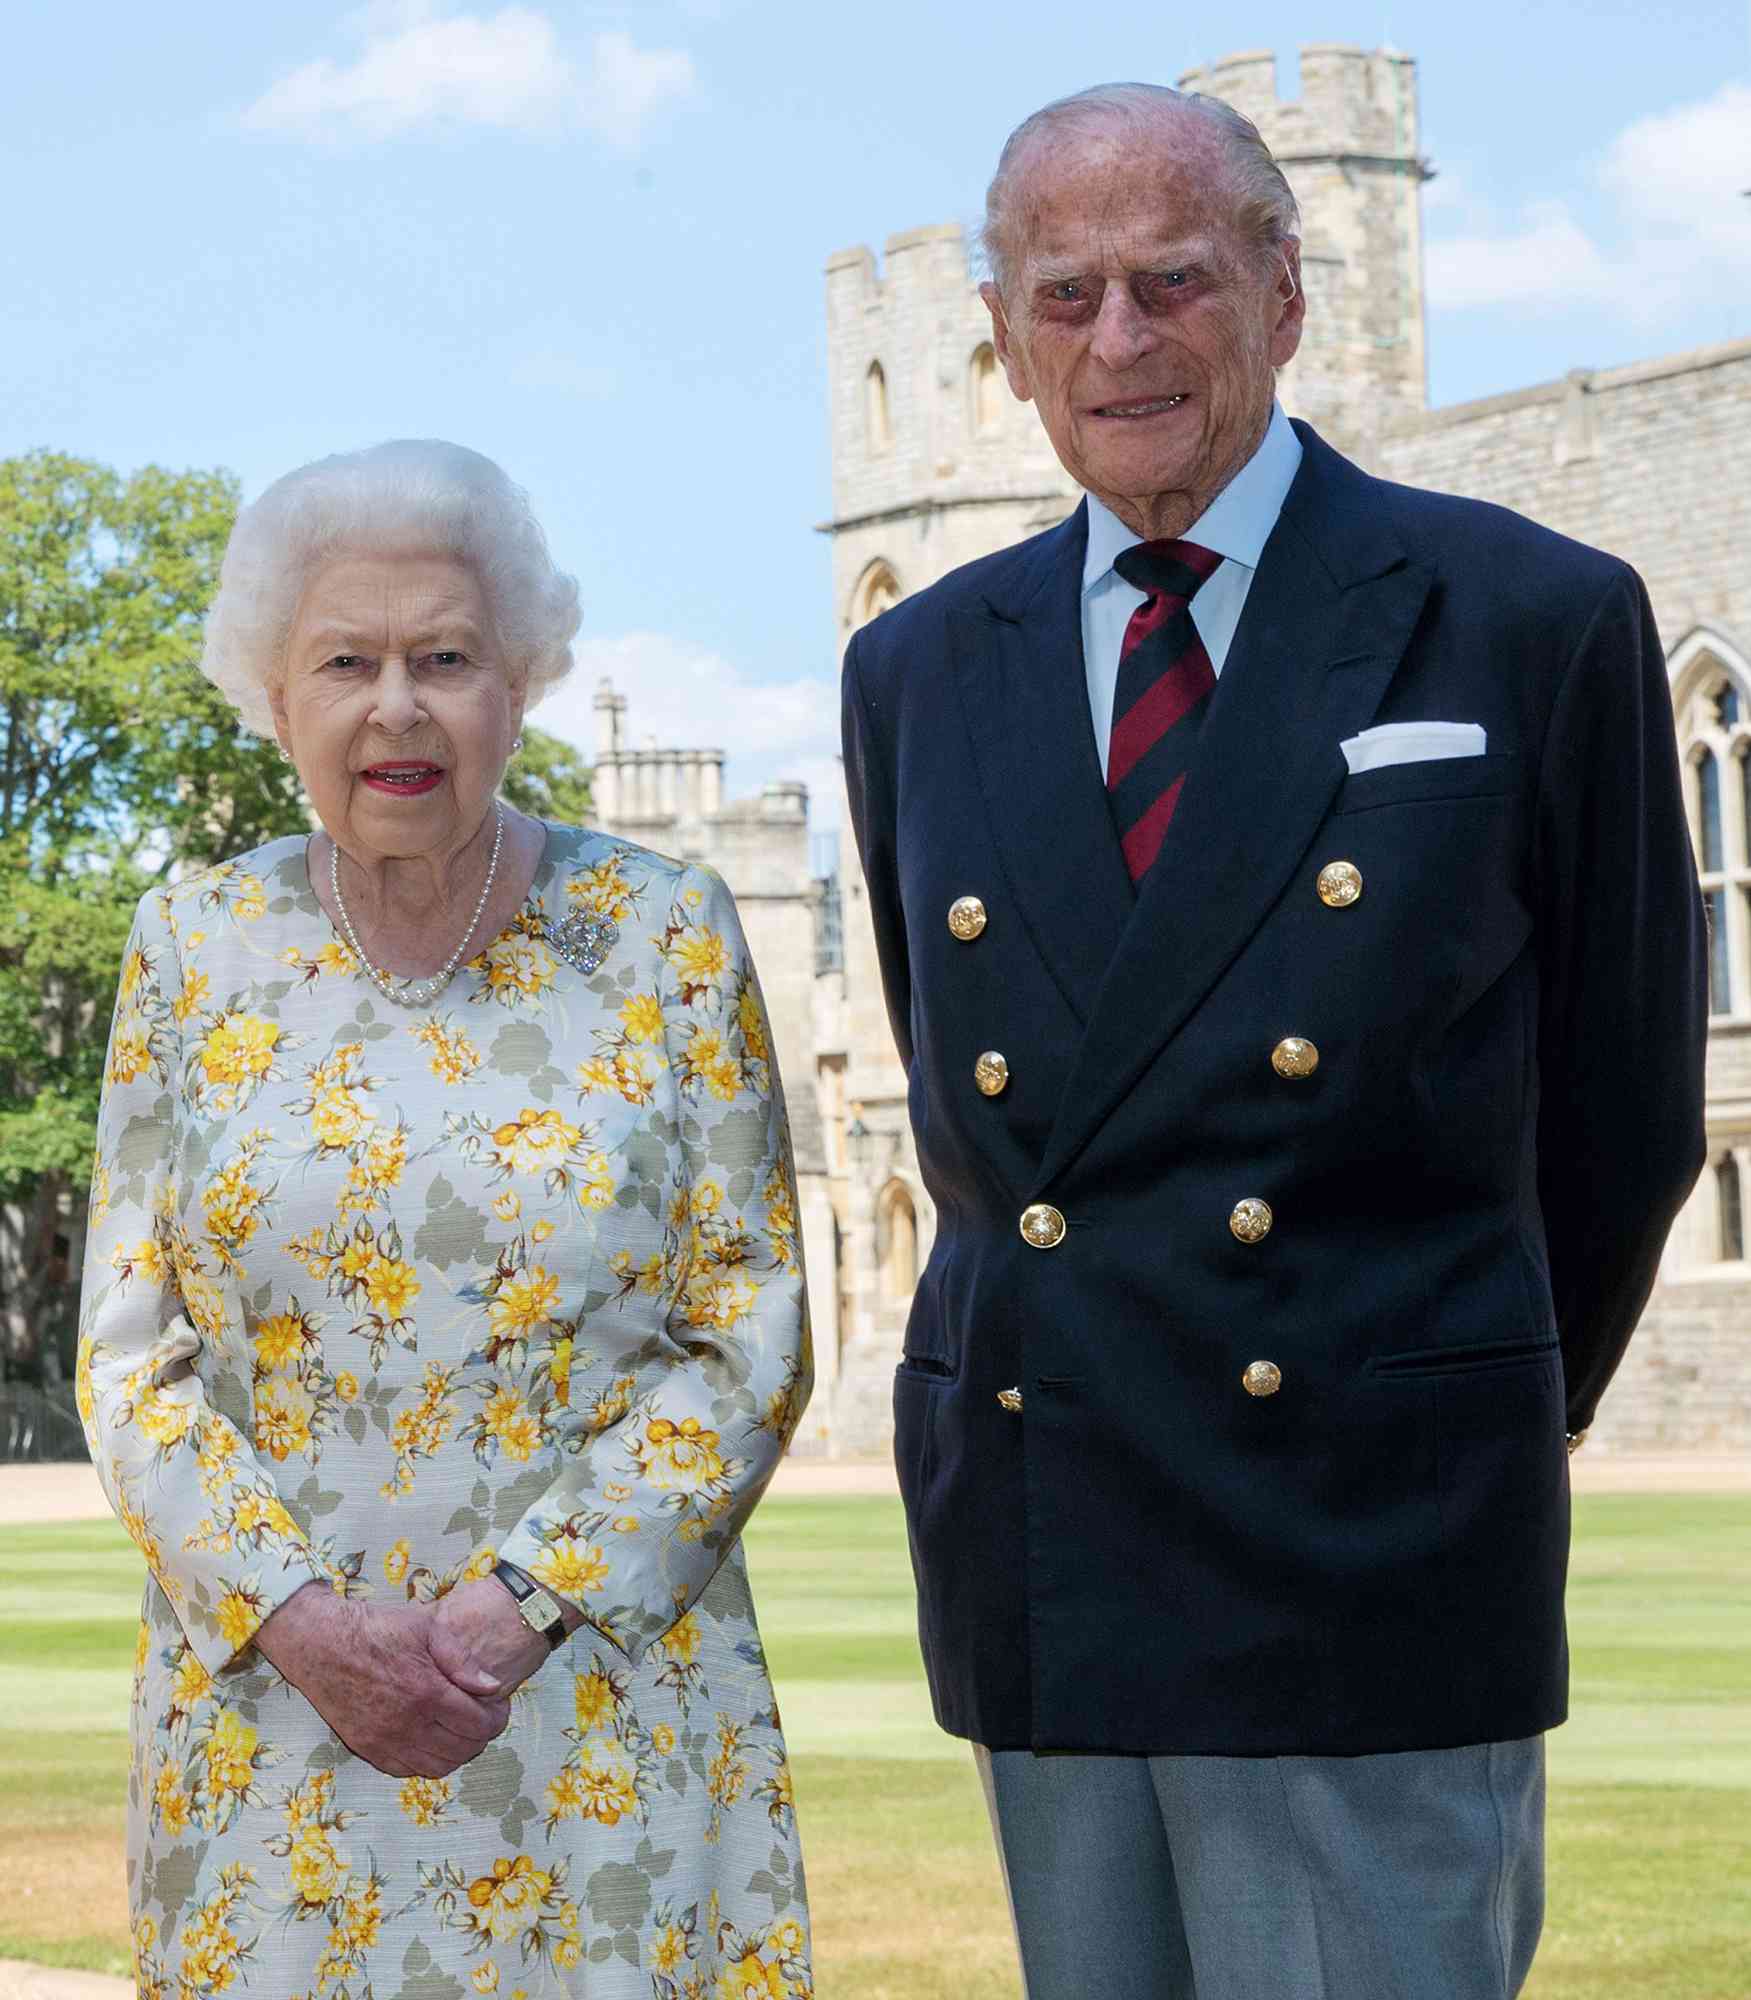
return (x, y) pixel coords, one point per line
(537, 1610)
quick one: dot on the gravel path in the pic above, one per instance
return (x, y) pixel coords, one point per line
(19, 1981)
(34, 1494)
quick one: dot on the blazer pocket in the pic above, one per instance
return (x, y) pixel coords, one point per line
(1492, 775)
(1481, 1358)
(929, 1369)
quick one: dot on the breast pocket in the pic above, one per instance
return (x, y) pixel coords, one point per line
(1494, 775)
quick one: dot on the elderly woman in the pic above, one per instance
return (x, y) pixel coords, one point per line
(443, 1323)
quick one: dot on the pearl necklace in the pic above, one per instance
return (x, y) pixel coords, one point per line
(416, 992)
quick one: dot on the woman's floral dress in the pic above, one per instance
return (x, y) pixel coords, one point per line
(379, 1294)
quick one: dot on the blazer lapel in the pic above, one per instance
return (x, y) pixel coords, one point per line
(1019, 670)
(1330, 612)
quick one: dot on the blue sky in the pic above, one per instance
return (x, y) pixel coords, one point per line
(589, 240)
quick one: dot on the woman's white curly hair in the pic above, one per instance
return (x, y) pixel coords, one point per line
(410, 496)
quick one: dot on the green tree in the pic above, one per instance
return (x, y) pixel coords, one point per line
(111, 746)
(548, 779)
(118, 761)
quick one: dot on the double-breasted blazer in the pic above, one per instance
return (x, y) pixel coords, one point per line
(1128, 1537)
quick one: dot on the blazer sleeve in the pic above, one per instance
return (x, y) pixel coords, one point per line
(1624, 1012)
(869, 788)
(155, 1313)
(659, 1482)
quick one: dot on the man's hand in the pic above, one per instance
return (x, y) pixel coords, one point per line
(368, 1671)
(479, 1639)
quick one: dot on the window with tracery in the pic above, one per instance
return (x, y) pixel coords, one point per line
(1715, 732)
(878, 420)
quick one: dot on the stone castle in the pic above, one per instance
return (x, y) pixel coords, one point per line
(934, 464)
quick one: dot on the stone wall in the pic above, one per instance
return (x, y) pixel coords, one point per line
(1652, 462)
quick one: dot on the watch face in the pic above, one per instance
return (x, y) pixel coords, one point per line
(540, 1611)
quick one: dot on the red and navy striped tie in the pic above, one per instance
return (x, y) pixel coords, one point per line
(1165, 682)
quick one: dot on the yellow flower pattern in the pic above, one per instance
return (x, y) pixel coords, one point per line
(390, 1300)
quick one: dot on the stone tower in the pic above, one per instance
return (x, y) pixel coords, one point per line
(1349, 146)
(934, 461)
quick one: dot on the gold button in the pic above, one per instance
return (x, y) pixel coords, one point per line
(966, 918)
(1042, 1226)
(1010, 1400)
(1262, 1378)
(991, 1073)
(1294, 1056)
(1340, 884)
(1251, 1220)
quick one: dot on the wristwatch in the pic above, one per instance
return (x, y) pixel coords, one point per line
(536, 1609)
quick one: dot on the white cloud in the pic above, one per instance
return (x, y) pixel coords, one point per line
(1676, 225)
(420, 67)
(1688, 168)
(1549, 262)
(684, 696)
(629, 83)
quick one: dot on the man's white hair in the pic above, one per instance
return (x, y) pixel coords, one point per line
(1266, 211)
(412, 496)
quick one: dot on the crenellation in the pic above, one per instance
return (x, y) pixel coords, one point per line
(1247, 81)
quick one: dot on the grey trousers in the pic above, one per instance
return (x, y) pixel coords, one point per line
(1417, 1875)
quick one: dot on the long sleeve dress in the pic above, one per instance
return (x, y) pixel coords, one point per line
(378, 1294)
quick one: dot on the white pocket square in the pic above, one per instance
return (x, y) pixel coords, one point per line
(1412, 743)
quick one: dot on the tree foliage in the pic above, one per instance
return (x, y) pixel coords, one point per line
(548, 779)
(117, 762)
(110, 742)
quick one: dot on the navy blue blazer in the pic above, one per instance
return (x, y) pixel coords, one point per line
(1469, 1193)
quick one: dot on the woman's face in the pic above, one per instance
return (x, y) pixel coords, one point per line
(395, 704)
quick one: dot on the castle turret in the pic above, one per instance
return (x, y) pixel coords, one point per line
(1348, 145)
(934, 462)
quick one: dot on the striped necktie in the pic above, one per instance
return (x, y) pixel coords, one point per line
(1165, 681)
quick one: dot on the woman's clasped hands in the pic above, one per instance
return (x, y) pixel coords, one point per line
(414, 1689)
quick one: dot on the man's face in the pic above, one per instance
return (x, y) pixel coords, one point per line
(1141, 322)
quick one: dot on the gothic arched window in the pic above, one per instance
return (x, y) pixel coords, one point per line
(1714, 729)
(1730, 1210)
(878, 590)
(986, 391)
(878, 420)
(898, 1239)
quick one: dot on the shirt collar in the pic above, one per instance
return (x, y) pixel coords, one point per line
(1236, 524)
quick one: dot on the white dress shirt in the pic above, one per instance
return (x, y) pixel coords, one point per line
(1236, 525)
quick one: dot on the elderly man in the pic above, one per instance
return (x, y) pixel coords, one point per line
(1290, 929)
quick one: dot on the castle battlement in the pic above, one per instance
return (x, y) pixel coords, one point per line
(1356, 104)
(922, 419)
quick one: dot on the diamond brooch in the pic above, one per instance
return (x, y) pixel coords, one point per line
(582, 940)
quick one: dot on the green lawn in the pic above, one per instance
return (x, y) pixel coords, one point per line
(1650, 1826)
